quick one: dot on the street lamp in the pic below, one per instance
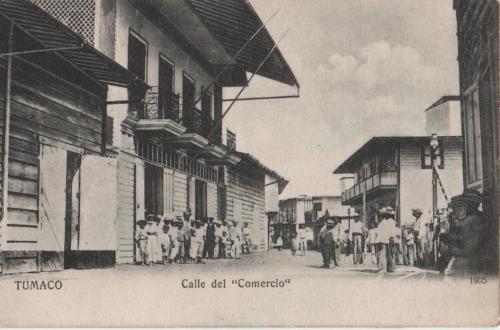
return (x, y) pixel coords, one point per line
(434, 154)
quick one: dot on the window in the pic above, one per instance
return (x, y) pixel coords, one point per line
(153, 188)
(188, 95)
(428, 161)
(473, 137)
(206, 103)
(137, 54)
(165, 88)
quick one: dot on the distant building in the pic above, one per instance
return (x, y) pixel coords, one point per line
(443, 117)
(396, 171)
(308, 210)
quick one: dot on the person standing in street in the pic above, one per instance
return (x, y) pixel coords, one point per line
(409, 241)
(152, 242)
(302, 237)
(385, 237)
(197, 239)
(357, 230)
(209, 246)
(328, 243)
(235, 237)
(186, 226)
(141, 238)
(246, 237)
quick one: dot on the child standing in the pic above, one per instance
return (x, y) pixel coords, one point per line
(165, 243)
(141, 238)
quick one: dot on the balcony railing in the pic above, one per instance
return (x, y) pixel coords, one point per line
(379, 180)
(231, 140)
(199, 122)
(156, 106)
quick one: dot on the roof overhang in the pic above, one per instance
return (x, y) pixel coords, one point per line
(182, 21)
(232, 23)
(168, 126)
(48, 33)
(373, 145)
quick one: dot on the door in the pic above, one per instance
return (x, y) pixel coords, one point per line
(200, 199)
(165, 88)
(72, 214)
(188, 95)
(52, 200)
(153, 188)
(98, 196)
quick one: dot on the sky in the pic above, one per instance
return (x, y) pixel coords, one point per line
(366, 68)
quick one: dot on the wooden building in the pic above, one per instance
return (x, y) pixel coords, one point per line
(478, 59)
(397, 171)
(58, 179)
(171, 154)
(246, 196)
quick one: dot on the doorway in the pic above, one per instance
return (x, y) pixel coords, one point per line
(153, 188)
(200, 199)
(72, 216)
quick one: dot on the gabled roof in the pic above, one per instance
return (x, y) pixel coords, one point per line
(233, 22)
(50, 33)
(373, 145)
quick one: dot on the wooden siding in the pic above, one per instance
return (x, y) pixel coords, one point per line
(246, 203)
(42, 106)
(416, 183)
(478, 58)
(180, 192)
(126, 220)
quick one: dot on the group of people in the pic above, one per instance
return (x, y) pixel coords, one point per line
(336, 244)
(180, 240)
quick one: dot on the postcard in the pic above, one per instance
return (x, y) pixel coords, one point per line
(249, 163)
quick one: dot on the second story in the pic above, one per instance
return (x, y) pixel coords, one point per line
(381, 162)
(179, 48)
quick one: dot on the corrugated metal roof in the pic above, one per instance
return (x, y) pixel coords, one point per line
(233, 22)
(50, 33)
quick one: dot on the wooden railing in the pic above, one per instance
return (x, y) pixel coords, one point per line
(373, 182)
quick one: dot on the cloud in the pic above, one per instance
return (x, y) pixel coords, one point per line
(365, 68)
(379, 67)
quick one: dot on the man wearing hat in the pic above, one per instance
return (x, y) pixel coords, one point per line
(235, 237)
(218, 238)
(141, 238)
(209, 239)
(386, 230)
(357, 232)
(470, 241)
(328, 242)
(247, 241)
(186, 225)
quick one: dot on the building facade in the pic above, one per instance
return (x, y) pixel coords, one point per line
(171, 155)
(397, 172)
(478, 59)
(58, 175)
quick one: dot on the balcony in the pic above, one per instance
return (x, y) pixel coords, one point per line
(160, 113)
(377, 182)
